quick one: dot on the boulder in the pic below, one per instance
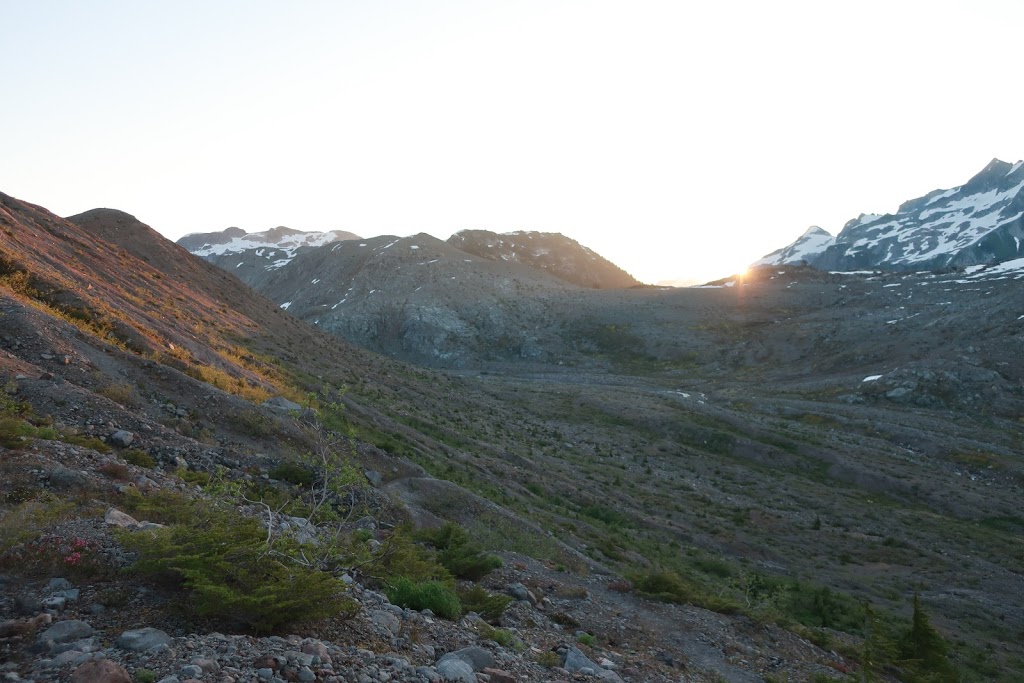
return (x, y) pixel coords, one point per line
(387, 620)
(100, 671)
(477, 658)
(122, 438)
(140, 640)
(575, 661)
(455, 670)
(115, 517)
(65, 632)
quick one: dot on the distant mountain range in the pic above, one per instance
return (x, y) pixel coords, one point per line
(978, 223)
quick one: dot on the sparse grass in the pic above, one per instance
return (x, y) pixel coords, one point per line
(121, 393)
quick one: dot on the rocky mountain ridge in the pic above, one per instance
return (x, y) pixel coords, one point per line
(553, 252)
(980, 222)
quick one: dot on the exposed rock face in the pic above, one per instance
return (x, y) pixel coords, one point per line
(557, 254)
(980, 222)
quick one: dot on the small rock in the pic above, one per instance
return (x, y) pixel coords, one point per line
(100, 671)
(55, 603)
(206, 664)
(190, 671)
(58, 584)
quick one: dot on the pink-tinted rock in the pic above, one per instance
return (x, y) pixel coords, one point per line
(499, 676)
(100, 671)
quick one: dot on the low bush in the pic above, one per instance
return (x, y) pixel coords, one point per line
(438, 597)
(501, 637)
(490, 606)
(194, 477)
(115, 471)
(134, 456)
(665, 585)
(293, 473)
(221, 559)
(549, 659)
(15, 433)
(459, 555)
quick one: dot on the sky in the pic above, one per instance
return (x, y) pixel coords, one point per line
(682, 140)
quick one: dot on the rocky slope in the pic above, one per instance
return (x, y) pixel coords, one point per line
(785, 446)
(557, 254)
(144, 369)
(979, 222)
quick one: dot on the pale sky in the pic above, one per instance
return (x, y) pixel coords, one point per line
(679, 139)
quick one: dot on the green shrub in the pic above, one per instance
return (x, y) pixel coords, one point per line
(549, 659)
(15, 433)
(490, 606)
(587, 639)
(293, 473)
(145, 676)
(459, 555)
(220, 559)
(195, 477)
(164, 507)
(402, 557)
(606, 515)
(665, 585)
(86, 442)
(438, 597)
(134, 456)
(819, 606)
(501, 637)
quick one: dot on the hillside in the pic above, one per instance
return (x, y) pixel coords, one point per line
(557, 254)
(710, 481)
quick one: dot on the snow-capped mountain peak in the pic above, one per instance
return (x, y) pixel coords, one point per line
(812, 243)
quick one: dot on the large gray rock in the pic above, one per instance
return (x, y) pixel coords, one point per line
(143, 639)
(387, 620)
(65, 632)
(455, 670)
(476, 657)
(575, 661)
(122, 438)
(115, 517)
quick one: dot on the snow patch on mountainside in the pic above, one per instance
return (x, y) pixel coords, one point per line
(979, 222)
